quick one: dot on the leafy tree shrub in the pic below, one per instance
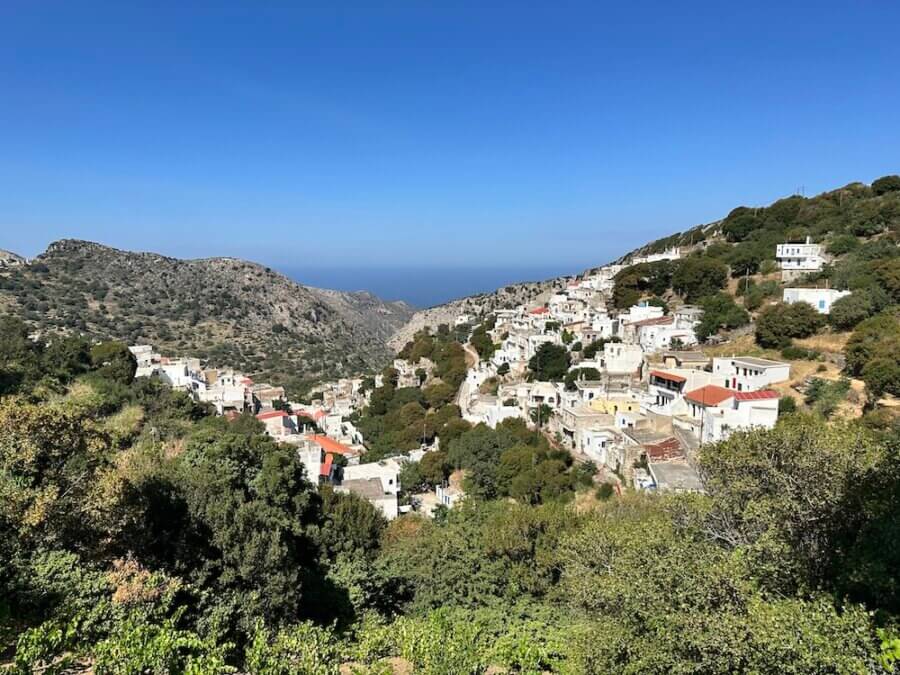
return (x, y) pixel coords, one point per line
(842, 244)
(882, 376)
(786, 405)
(872, 338)
(777, 324)
(720, 311)
(794, 353)
(824, 396)
(697, 277)
(848, 311)
(886, 184)
(550, 362)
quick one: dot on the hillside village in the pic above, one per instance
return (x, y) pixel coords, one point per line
(687, 456)
(629, 393)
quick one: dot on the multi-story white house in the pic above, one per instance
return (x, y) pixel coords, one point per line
(799, 259)
(748, 373)
(820, 298)
(712, 412)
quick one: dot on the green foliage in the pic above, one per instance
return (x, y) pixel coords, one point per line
(632, 283)
(824, 396)
(720, 311)
(304, 649)
(482, 342)
(114, 361)
(886, 184)
(850, 310)
(777, 324)
(550, 362)
(793, 353)
(137, 647)
(596, 347)
(787, 405)
(842, 244)
(697, 277)
(873, 353)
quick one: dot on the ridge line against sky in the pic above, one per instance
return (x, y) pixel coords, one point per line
(346, 137)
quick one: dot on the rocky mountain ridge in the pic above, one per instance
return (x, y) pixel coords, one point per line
(228, 311)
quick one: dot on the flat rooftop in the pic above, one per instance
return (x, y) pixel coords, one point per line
(675, 475)
(756, 361)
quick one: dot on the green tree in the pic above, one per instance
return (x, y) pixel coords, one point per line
(696, 277)
(550, 362)
(886, 184)
(720, 311)
(777, 324)
(114, 361)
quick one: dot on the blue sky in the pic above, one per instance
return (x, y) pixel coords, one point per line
(456, 135)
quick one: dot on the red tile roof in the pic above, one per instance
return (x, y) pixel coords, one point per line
(663, 375)
(760, 395)
(331, 445)
(539, 310)
(664, 450)
(710, 395)
(271, 414)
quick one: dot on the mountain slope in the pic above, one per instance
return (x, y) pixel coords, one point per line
(229, 311)
(858, 226)
(527, 292)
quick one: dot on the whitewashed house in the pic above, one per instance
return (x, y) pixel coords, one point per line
(749, 373)
(712, 413)
(799, 259)
(820, 298)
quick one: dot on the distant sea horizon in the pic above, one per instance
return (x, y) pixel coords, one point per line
(425, 287)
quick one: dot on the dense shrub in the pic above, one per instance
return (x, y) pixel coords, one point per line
(777, 324)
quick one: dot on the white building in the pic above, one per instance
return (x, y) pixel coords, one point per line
(713, 413)
(799, 259)
(669, 254)
(749, 373)
(376, 482)
(622, 359)
(820, 298)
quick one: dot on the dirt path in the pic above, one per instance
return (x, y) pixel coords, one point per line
(472, 357)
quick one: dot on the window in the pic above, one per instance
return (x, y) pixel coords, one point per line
(821, 304)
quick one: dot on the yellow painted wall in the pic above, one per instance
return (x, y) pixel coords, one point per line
(614, 405)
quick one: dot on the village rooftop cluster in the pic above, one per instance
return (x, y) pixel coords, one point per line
(657, 400)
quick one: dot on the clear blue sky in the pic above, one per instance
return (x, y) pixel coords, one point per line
(521, 135)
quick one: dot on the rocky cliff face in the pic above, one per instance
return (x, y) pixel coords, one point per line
(229, 311)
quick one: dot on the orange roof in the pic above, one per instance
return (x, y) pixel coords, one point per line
(670, 448)
(539, 310)
(710, 395)
(325, 469)
(760, 395)
(663, 375)
(331, 445)
(271, 414)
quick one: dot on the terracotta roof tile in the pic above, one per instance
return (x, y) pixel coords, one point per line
(760, 395)
(663, 375)
(710, 395)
